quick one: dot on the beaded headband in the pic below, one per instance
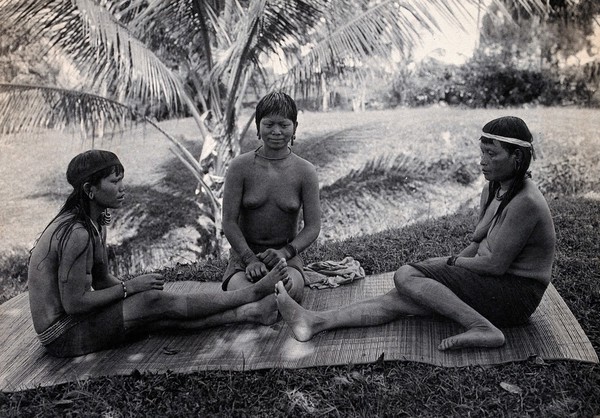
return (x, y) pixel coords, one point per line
(510, 140)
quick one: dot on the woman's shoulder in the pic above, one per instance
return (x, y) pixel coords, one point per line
(241, 161)
(302, 163)
(69, 224)
(63, 229)
(530, 198)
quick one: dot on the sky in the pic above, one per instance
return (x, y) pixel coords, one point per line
(451, 45)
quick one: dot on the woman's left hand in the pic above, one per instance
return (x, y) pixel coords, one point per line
(151, 281)
(271, 256)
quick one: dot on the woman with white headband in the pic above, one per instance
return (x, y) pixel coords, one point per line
(498, 280)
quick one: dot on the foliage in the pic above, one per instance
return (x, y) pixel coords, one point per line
(385, 388)
(200, 57)
(485, 82)
(13, 273)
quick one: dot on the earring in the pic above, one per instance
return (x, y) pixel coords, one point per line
(91, 196)
(293, 137)
(105, 218)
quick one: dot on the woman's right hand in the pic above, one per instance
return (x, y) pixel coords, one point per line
(256, 271)
(145, 282)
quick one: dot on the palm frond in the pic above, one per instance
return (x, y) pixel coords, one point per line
(103, 49)
(385, 172)
(25, 108)
(360, 33)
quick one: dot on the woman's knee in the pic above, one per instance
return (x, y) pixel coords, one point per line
(404, 278)
(154, 299)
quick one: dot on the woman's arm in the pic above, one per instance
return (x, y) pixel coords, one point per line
(470, 250)
(507, 241)
(75, 278)
(232, 202)
(311, 208)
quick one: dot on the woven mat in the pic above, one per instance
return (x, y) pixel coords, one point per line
(552, 334)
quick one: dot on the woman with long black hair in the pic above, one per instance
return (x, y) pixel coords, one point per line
(78, 307)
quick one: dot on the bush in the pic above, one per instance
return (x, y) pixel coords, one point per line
(13, 273)
(482, 83)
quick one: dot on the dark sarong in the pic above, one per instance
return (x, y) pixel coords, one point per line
(236, 264)
(89, 333)
(506, 300)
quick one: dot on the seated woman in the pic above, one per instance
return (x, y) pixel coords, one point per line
(498, 280)
(265, 192)
(77, 307)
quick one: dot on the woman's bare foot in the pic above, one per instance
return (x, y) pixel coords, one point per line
(475, 337)
(303, 323)
(265, 286)
(262, 312)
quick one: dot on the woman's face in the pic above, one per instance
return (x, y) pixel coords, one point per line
(497, 164)
(276, 131)
(110, 192)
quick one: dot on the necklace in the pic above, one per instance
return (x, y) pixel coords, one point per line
(257, 153)
(498, 197)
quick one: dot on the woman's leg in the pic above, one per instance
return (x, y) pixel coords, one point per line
(306, 324)
(262, 312)
(155, 306)
(295, 287)
(239, 281)
(440, 299)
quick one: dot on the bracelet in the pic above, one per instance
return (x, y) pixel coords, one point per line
(291, 250)
(124, 289)
(452, 260)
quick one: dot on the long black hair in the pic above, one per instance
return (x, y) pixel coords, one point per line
(511, 127)
(88, 167)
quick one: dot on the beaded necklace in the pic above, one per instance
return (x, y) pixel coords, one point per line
(257, 153)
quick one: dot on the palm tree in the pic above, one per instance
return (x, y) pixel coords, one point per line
(199, 57)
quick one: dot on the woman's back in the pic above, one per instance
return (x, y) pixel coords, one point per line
(45, 268)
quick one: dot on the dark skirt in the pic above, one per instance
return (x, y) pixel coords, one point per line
(91, 332)
(506, 300)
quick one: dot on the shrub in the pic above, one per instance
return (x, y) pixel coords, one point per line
(13, 273)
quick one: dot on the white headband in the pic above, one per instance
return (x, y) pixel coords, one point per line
(514, 141)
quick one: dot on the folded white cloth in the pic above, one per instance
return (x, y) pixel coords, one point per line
(330, 273)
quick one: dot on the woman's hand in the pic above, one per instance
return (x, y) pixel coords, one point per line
(255, 271)
(145, 282)
(271, 256)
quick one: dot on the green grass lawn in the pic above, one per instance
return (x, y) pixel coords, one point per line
(437, 149)
(548, 389)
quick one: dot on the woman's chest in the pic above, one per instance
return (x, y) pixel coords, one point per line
(272, 187)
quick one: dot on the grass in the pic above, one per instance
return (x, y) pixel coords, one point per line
(548, 389)
(414, 157)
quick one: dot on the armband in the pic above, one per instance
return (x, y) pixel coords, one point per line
(124, 289)
(291, 250)
(452, 260)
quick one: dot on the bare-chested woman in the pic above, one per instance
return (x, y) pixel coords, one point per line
(77, 307)
(498, 280)
(266, 190)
